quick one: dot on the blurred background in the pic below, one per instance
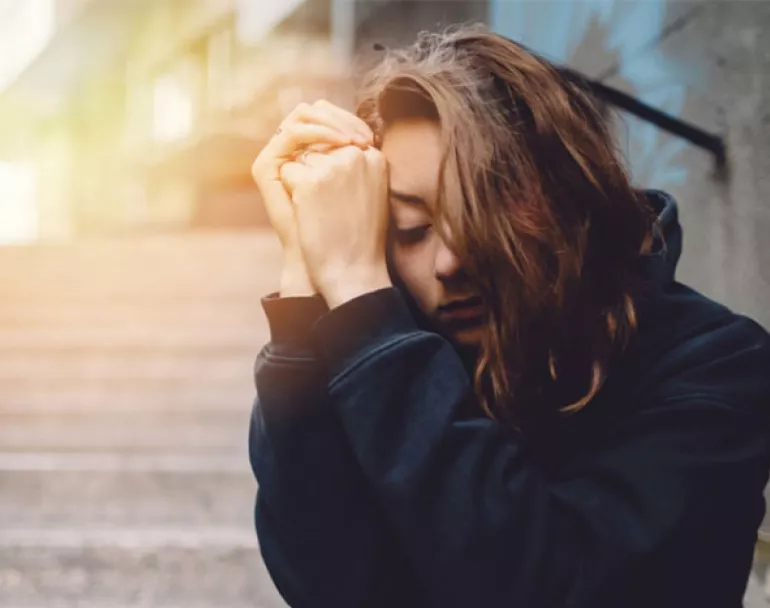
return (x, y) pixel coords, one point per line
(134, 249)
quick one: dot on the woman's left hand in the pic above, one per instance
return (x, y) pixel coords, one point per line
(341, 209)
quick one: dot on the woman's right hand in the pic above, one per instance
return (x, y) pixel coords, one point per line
(319, 126)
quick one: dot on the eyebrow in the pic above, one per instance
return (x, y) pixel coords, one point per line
(409, 199)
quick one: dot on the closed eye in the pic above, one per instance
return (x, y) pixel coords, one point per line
(411, 236)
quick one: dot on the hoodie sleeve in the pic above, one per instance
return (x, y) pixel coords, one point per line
(320, 536)
(481, 524)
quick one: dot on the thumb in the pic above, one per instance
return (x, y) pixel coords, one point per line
(274, 193)
(268, 180)
(292, 175)
(278, 205)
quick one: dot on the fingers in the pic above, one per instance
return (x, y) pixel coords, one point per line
(315, 159)
(299, 135)
(342, 156)
(340, 127)
(320, 127)
(378, 166)
(313, 164)
(327, 114)
(293, 174)
(375, 158)
(372, 158)
(346, 120)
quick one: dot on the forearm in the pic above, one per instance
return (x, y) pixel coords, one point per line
(321, 537)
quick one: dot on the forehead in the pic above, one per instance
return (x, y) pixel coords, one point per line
(412, 148)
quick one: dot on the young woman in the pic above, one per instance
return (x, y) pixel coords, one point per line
(484, 386)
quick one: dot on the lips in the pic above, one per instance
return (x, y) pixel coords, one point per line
(470, 308)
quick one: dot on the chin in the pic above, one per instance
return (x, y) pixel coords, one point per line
(468, 338)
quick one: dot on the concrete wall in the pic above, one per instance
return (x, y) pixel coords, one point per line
(397, 22)
(706, 63)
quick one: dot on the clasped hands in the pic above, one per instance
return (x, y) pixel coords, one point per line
(324, 187)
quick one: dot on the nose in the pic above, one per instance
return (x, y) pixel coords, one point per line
(446, 263)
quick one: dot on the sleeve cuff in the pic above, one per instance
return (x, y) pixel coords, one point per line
(290, 319)
(351, 331)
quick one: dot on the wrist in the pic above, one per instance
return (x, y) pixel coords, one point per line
(352, 286)
(295, 281)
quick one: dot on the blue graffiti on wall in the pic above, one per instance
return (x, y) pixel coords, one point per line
(557, 29)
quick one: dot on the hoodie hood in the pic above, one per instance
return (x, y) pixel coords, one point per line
(667, 244)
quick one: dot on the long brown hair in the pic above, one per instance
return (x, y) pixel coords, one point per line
(542, 211)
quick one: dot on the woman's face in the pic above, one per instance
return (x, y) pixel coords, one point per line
(429, 270)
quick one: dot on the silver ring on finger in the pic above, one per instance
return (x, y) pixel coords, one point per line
(278, 131)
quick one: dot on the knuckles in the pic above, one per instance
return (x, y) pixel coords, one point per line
(302, 109)
(353, 155)
(375, 157)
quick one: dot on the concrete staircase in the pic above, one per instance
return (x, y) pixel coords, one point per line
(125, 392)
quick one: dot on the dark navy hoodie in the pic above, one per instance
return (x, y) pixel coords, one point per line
(377, 489)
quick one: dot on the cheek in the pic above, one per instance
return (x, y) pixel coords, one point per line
(414, 268)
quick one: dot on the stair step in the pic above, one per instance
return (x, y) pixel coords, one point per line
(136, 569)
(128, 336)
(142, 251)
(241, 264)
(149, 462)
(157, 251)
(203, 310)
(63, 499)
(136, 437)
(152, 365)
(21, 389)
(32, 397)
(66, 420)
(93, 290)
(126, 386)
(80, 422)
